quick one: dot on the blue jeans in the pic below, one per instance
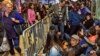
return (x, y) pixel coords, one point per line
(61, 27)
(88, 51)
(14, 43)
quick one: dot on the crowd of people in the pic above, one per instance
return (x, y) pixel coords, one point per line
(33, 12)
(75, 35)
(73, 32)
(15, 18)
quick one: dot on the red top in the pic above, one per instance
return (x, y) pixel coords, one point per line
(92, 38)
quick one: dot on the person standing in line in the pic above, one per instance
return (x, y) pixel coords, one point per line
(59, 15)
(9, 19)
(31, 14)
(74, 19)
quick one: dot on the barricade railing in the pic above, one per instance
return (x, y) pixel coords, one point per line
(98, 9)
(93, 6)
(34, 37)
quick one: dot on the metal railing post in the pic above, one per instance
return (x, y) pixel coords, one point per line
(34, 37)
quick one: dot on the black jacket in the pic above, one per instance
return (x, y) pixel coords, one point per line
(89, 23)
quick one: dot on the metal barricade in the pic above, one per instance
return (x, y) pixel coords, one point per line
(98, 9)
(93, 6)
(35, 36)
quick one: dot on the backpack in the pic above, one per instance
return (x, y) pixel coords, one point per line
(5, 44)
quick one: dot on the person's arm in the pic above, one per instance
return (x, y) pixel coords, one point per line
(14, 20)
(51, 9)
(54, 52)
(70, 17)
(87, 10)
(65, 16)
(17, 18)
(29, 16)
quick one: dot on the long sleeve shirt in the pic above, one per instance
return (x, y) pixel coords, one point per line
(31, 16)
(9, 24)
(18, 16)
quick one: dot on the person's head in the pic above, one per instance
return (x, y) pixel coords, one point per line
(97, 27)
(58, 34)
(82, 5)
(74, 40)
(65, 44)
(24, 5)
(80, 32)
(92, 31)
(88, 16)
(4, 2)
(56, 40)
(52, 29)
(8, 7)
(57, 37)
(63, 3)
(31, 5)
(75, 6)
(67, 1)
(40, 3)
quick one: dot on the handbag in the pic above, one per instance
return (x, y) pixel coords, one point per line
(5, 45)
(18, 29)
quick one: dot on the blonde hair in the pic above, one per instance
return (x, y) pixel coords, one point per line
(5, 2)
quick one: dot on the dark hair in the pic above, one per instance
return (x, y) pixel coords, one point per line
(76, 6)
(80, 28)
(62, 1)
(87, 14)
(82, 3)
(52, 28)
(98, 24)
(30, 4)
(92, 31)
(1, 0)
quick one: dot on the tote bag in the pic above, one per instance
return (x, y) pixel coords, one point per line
(5, 45)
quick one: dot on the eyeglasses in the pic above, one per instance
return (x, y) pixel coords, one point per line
(9, 7)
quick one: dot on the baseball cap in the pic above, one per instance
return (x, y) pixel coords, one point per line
(75, 37)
